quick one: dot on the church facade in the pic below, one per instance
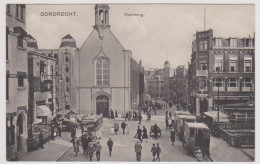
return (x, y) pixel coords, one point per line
(104, 70)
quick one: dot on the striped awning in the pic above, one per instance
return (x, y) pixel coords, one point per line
(42, 111)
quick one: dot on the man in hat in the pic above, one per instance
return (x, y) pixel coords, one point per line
(123, 125)
(159, 151)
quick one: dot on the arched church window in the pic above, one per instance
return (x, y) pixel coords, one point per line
(102, 72)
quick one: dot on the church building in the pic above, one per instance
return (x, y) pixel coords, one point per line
(104, 70)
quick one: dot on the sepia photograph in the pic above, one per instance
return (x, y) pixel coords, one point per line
(135, 82)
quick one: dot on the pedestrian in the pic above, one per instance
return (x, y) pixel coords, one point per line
(158, 152)
(76, 145)
(73, 134)
(53, 133)
(112, 114)
(84, 143)
(139, 134)
(116, 127)
(126, 116)
(91, 150)
(170, 115)
(138, 150)
(60, 128)
(145, 136)
(154, 151)
(155, 130)
(116, 113)
(110, 146)
(140, 118)
(123, 125)
(41, 140)
(172, 137)
(166, 122)
(98, 151)
(129, 115)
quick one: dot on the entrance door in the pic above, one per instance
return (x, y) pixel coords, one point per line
(19, 132)
(102, 106)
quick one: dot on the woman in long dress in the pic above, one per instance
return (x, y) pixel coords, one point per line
(145, 136)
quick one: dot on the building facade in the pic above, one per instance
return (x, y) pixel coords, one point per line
(16, 81)
(105, 70)
(221, 71)
(158, 82)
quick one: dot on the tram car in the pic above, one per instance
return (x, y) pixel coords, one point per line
(92, 125)
(196, 136)
(180, 122)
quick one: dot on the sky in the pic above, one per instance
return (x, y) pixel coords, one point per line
(164, 32)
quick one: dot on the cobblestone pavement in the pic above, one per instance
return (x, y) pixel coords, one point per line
(123, 149)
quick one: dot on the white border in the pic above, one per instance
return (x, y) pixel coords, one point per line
(2, 48)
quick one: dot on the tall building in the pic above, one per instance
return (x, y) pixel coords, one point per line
(178, 86)
(221, 71)
(158, 82)
(16, 81)
(105, 70)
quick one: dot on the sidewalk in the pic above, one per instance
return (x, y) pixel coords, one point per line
(52, 151)
(249, 152)
(222, 152)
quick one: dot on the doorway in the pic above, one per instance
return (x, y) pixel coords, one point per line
(102, 105)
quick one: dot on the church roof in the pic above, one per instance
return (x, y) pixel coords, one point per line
(108, 42)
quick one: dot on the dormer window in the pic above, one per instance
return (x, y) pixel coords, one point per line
(249, 43)
(218, 42)
(233, 42)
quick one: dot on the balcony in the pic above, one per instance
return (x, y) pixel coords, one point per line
(202, 73)
(232, 89)
(221, 89)
(246, 89)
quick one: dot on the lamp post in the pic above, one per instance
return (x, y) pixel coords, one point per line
(218, 91)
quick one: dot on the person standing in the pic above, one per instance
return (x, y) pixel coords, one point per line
(116, 127)
(155, 129)
(84, 143)
(166, 122)
(126, 116)
(170, 115)
(123, 125)
(138, 150)
(158, 152)
(73, 133)
(91, 150)
(112, 114)
(41, 140)
(173, 137)
(98, 151)
(154, 151)
(116, 113)
(145, 136)
(139, 134)
(59, 128)
(140, 118)
(76, 145)
(110, 146)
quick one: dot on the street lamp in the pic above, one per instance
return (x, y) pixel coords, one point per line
(218, 89)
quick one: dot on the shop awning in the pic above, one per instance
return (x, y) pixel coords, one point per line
(214, 114)
(43, 111)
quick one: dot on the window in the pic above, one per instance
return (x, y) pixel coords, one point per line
(7, 33)
(8, 9)
(203, 66)
(233, 42)
(17, 11)
(233, 65)
(247, 84)
(218, 65)
(7, 85)
(192, 132)
(218, 42)
(102, 72)
(20, 41)
(10, 129)
(201, 45)
(205, 45)
(249, 43)
(233, 84)
(248, 65)
(21, 76)
(218, 82)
